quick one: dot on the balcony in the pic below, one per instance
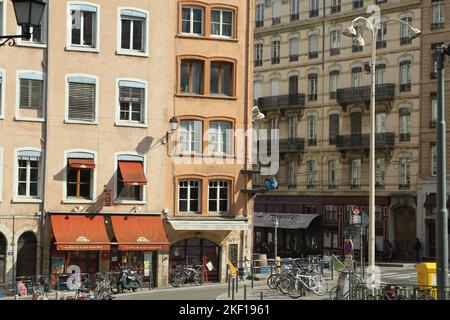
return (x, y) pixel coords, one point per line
(287, 101)
(312, 97)
(379, 185)
(358, 4)
(356, 48)
(362, 141)
(313, 13)
(405, 40)
(313, 54)
(381, 44)
(335, 51)
(258, 63)
(311, 185)
(312, 142)
(276, 21)
(383, 92)
(295, 16)
(332, 186)
(355, 185)
(333, 95)
(404, 186)
(405, 87)
(293, 57)
(259, 24)
(275, 60)
(335, 9)
(437, 25)
(405, 137)
(292, 145)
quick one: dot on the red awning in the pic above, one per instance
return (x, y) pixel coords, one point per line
(132, 173)
(140, 233)
(81, 163)
(80, 233)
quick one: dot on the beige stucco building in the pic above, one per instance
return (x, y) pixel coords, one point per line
(310, 80)
(88, 172)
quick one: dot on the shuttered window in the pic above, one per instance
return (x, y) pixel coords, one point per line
(132, 102)
(333, 128)
(82, 101)
(31, 93)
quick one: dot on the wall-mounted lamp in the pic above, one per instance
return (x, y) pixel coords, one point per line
(173, 123)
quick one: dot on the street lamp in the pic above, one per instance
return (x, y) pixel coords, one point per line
(28, 14)
(276, 224)
(257, 114)
(352, 32)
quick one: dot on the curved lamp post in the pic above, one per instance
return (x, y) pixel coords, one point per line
(352, 32)
(28, 14)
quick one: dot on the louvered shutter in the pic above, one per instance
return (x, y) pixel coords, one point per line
(82, 102)
(31, 92)
(334, 127)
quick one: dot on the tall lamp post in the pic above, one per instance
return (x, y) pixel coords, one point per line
(276, 224)
(28, 14)
(351, 32)
(442, 214)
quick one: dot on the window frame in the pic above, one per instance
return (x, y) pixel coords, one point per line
(17, 115)
(355, 173)
(405, 68)
(233, 19)
(433, 159)
(74, 200)
(145, 37)
(40, 184)
(311, 174)
(188, 199)
(96, 37)
(191, 151)
(191, 7)
(228, 135)
(4, 13)
(332, 174)
(116, 199)
(220, 78)
(97, 102)
(2, 93)
(218, 196)
(124, 123)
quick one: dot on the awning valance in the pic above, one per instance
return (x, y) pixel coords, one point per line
(81, 163)
(216, 225)
(285, 220)
(80, 233)
(132, 173)
(140, 233)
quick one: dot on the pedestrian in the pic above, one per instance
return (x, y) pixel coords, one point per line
(387, 251)
(418, 247)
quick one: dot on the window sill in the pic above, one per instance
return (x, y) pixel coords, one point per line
(26, 200)
(17, 118)
(83, 49)
(129, 202)
(80, 122)
(131, 125)
(31, 45)
(201, 37)
(78, 201)
(132, 53)
(201, 96)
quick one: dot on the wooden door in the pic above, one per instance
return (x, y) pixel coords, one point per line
(405, 233)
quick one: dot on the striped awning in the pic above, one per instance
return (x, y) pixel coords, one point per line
(31, 75)
(131, 84)
(83, 80)
(83, 7)
(80, 155)
(133, 13)
(32, 155)
(130, 157)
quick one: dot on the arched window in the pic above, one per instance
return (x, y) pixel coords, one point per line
(405, 123)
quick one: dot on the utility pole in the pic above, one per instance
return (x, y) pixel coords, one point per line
(276, 223)
(442, 214)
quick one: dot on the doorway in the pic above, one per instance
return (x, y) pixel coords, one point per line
(405, 233)
(26, 255)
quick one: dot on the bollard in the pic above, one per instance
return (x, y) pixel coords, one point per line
(245, 292)
(58, 295)
(261, 295)
(232, 289)
(237, 282)
(229, 284)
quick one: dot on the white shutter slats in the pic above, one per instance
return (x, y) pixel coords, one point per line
(31, 92)
(82, 102)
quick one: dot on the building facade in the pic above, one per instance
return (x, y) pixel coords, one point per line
(87, 170)
(436, 31)
(312, 83)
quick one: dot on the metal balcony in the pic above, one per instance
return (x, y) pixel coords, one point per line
(293, 145)
(362, 141)
(383, 92)
(287, 101)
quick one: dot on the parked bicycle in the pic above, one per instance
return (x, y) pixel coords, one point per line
(39, 289)
(186, 274)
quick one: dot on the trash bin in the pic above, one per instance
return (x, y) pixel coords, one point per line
(426, 277)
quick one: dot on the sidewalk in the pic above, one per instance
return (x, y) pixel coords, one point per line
(260, 287)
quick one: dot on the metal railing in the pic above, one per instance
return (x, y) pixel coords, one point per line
(356, 141)
(362, 94)
(282, 102)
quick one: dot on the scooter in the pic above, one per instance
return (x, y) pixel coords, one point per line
(129, 280)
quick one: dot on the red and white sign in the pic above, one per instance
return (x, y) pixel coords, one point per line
(355, 210)
(22, 289)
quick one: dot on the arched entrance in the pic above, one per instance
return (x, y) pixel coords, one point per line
(26, 255)
(196, 251)
(405, 233)
(2, 257)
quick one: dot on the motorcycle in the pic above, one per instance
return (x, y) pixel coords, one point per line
(127, 280)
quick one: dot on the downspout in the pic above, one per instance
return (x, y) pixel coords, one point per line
(323, 98)
(44, 143)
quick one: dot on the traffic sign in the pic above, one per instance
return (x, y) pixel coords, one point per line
(355, 210)
(22, 289)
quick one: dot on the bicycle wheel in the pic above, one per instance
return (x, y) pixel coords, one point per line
(320, 286)
(283, 286)
(271, 281)
(296, 289)
(197, 279)
(179, 279)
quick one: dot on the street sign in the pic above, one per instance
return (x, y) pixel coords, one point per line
(348, 247)
(22, 289)
(356, 216)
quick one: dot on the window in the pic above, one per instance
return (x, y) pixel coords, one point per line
(219, 138)
(433, 159)
(131, 179)
(313, 41)
(434, 46)
(190, 136)
(312, 141)
(331, 213)
(259, 15)
(82, 99)
(293, 49)
(258, 55)
(381, 36)
(334, 83)
(311, 174)
(80, 171)
(84, 26)
(405, 32)
(405, 76)
(2, 94)
(191, 77)
(355, 166)
(221, 80)
(222, 23)
(380, 121)
(313, 8)
(28, 174)
(433, 111)
(189, 196)
(31, 95)
(380, 72)
(132, 102)
(274, 134)
(312, 87)
(380, 164)
(333, 128)
(404, 182)
(291, 174)
(335, 45)
(356, 77)
(332, 183)
(275, 87)
(437, 14)
(355, 46)
(335, 6)
(275, 51)
(258, 89)
(358, 4)
(218, 195)
(276, 19)
(292, 127)
(2, 31)
(295, 9)
(192, 20)
(405, 124)
(293, 88)
(133, 30)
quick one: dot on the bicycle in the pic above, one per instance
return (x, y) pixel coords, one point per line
(39, 292)
(186, 274)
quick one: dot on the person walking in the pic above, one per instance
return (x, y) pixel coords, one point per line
(417, 248)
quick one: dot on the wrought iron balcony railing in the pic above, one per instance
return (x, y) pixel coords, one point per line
(275, 60)
(404, 186)
(358, 4)
(313, 13)
(292, 145)
(295, 16)
(293, 57)
(362, 141)
(259, 24)
(362, 94)
(381, 44)
(287, 101)
(313, 54)
(437, 25)
(335, 51)
(336, 9)
(276, 21)
(405, 137)
(258, 63)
